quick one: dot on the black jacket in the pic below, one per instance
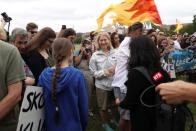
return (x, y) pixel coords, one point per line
(142, 118)
(36, 63)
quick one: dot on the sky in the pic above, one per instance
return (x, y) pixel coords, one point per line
(82, 14)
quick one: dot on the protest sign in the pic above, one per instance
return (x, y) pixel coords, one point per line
(184, 60)
(32, 111)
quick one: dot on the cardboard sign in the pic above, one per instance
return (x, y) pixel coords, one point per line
(169, 67)
(32, 111)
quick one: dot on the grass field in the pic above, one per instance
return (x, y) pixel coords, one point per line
(77, 46)
(95, 123)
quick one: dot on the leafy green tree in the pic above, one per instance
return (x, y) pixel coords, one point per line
(171, 29)
(191, 28)
(194, 23)
(78, 39)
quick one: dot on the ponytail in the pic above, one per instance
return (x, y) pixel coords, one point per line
(56, 76)
(61, 49)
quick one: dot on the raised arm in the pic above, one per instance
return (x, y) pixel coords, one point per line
(177, 92)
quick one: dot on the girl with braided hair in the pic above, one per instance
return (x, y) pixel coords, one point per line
(65, 91)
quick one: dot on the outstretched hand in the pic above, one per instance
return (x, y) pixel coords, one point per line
(171, 92)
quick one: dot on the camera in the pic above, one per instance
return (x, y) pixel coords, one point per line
(63, 27)
(87, 50)
(6, 17)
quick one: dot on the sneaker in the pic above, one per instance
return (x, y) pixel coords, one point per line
(107, 127)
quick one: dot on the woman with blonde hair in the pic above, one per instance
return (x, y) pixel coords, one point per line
(102, 65)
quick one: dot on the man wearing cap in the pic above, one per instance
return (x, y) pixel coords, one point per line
(121, 72)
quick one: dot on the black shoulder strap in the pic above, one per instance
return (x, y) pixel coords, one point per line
(144, 71)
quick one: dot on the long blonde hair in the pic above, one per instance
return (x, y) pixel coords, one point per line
(98, 38)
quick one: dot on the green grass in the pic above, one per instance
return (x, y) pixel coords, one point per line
(77, 47)
(95, 122)
(192, 107)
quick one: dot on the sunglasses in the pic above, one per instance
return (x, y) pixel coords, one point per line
(33, 32)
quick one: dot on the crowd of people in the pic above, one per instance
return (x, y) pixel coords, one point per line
(105, 63)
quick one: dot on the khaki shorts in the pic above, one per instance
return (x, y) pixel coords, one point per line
(104, 98)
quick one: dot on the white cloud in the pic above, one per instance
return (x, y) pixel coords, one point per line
(82, 14)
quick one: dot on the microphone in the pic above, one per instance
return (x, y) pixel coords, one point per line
(157, 76)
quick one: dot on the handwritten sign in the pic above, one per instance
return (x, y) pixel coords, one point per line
(32, 111)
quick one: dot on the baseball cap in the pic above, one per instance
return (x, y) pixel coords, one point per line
(135, 26)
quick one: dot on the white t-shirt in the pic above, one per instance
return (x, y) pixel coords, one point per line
(122, 55)
(177, 45)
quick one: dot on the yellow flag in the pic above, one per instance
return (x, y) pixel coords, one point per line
(130, 11)
(179, 26)
(121, 15)
(101, 18)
